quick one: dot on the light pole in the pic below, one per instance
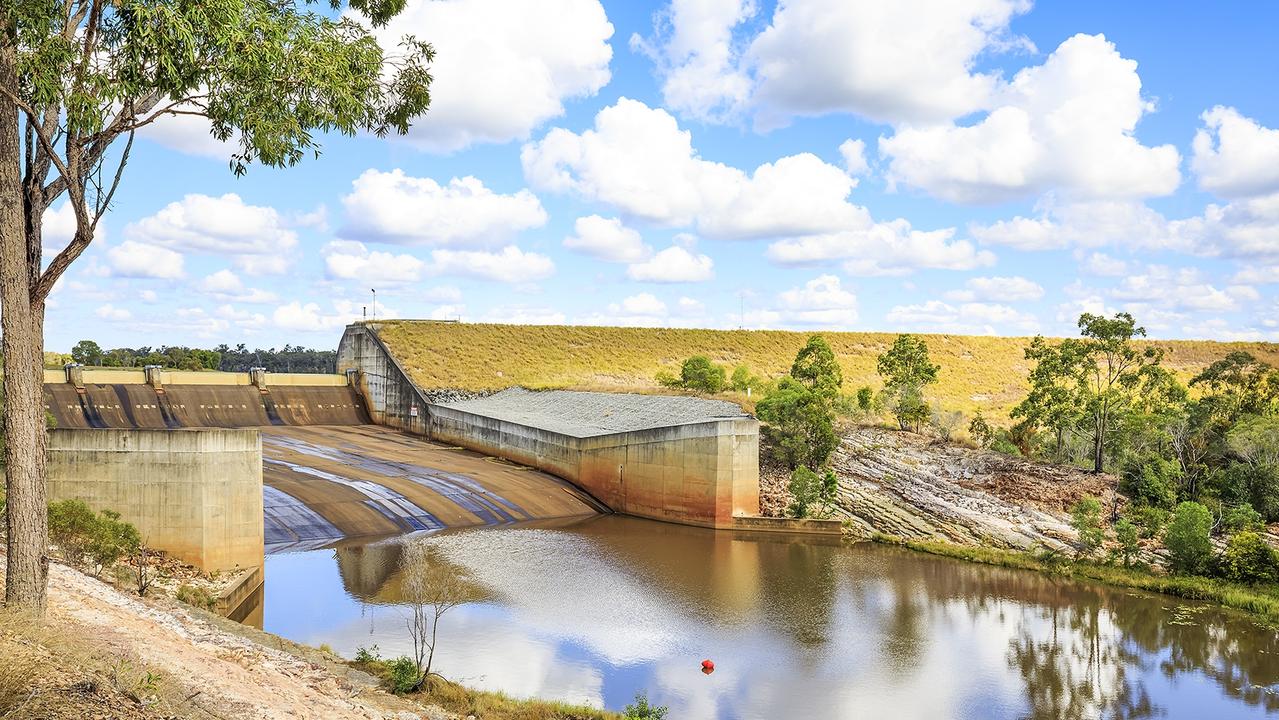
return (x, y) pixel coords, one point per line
(374, 291)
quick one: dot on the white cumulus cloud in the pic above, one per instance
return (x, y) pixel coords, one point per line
(1234, 156)
(350, 260)
(675, 264)
(394, 207)
(998, 289)
(226, 285)
(607, 239)
(133, 259)
(509, 265)
(501, 69)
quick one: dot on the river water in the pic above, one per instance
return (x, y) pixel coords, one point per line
(594, 611)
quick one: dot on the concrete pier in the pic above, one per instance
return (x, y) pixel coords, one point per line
(197, 494)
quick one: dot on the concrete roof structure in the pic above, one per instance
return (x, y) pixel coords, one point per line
(588, 414)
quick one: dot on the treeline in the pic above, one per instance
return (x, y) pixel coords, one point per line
(290, 358)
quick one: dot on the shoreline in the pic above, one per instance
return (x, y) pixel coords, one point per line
(1257, 604)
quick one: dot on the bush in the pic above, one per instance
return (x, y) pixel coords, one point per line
(1248, 559)
(815, 367)
(1002, 444)
(1085, 518)
(81, 535)
(1241, 517)
(112, 539)
(1151, 481)
(1189, 546)
(866, 399)
(743, 380)
(1126, 535)
(800, 424)
(668, 379)
(1150, 521)
(699, 373)
(946, 422)
(980, 431)
(367, 655)
(197, 596)
(403, 675)
(642, 710)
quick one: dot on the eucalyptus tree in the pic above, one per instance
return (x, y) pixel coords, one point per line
(78, 79)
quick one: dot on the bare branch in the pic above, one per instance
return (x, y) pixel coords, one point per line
(115, 183)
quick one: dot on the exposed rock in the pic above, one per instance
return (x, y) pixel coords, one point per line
(915, 487)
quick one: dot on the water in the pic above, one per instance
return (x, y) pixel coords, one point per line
(798, 628)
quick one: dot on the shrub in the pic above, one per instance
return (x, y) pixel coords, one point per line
(980, 430)
(403, 675)
(1126, 535)
(666, 378)
(1241, 517)
(946, 422)
(1189, 546)
(742, 379)
(699, 373)
(1085, 518)
(866, 399)
(367, 655)
(800, 424)
(197, 596)
(1003, 445)
(642, 710)
(1151, 481)
(816, 368)
(112, 539)
(1150, 521)
(71, 527)
(1248, 559)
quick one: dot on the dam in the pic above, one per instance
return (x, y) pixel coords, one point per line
(220, 468)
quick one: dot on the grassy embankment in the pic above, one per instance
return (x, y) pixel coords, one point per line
(1260, 601)
(482, 703)
(978, 373)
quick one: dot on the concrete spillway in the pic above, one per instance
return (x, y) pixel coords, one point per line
(303, 461)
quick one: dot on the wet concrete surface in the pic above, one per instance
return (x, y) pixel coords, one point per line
(325, 484)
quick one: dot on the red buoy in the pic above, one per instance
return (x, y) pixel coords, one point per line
(708, 667)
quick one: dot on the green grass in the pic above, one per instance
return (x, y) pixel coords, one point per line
(485, 704)
(978, 372)
(1260, 601)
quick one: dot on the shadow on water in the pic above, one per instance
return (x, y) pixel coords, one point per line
(593, 610)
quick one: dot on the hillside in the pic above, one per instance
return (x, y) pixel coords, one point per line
(978, 372)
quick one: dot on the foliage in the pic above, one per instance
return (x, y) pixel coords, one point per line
(87, 352)
(808, 489)
(800, 424)
(1126, 535)
(195, 595)
(1257, 485)
(1054, 401)
(1239, 384)
(1248, 559)
(1085, 518)
(743, 380)
(1255, 439)
(1187, 538)
(1150, 520)
(98, 539)
(946, 422)
(980, 431)
(642, 710)
(700, 374)
(1241, 517)
(815, 367)
(405, 676)
(1151, 481)
(365, 655)
(431, 587)
(865, 399)
(906, 370)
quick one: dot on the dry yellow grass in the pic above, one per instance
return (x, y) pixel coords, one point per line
(978, 372)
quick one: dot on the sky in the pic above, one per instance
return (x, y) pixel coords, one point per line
(953, 166)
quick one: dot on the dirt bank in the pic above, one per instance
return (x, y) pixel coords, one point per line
(108, 654)
(920, 488)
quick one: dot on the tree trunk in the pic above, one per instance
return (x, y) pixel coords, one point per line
(1098, 445)
(21, 323)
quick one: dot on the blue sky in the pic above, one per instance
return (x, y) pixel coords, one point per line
(965, 166)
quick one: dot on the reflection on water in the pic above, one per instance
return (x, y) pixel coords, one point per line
(594, 611)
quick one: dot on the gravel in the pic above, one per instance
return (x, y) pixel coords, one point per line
(586, 414)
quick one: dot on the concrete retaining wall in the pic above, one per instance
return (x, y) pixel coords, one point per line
(808, 526)
(196, 494)
(701, 473)
(392, 399)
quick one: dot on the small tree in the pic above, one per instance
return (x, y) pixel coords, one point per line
(1248, 559)
(87, 352)
(1241, 517)
(1151, 481)
(800, 424)
(1085, 518)
(946, 422)
(741, 380)
(1187, 538)
(699, 373)
(1126, 535)
(431, 587)
(980, 430)
(816, 368)
(906, 370)
(809, 489)
(865, 400)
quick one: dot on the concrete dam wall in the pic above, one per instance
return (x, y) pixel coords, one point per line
(195, 493)
(678, 459)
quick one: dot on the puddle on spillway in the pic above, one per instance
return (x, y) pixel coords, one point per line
(595, 611)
